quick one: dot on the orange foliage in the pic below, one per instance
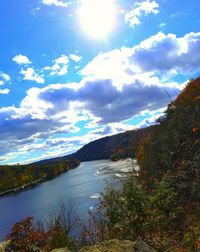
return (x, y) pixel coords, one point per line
(197, 99)
(190, 94)
(194, 130)
(24, 237)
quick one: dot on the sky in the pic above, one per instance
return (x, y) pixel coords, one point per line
(74, 71)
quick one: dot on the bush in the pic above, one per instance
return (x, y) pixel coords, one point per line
(24, 237)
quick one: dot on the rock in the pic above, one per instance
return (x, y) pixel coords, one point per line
(3, 245)
(111, 246)
(119, 246)
(141, 246)
(114, 246)
(60, 250)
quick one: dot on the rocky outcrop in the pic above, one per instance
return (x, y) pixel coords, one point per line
(61, 250)
(111, 246)
(3, 245)
(114, 246)
(141, 246)
(119, 246)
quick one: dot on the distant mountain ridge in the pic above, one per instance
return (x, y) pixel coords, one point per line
(106, 147)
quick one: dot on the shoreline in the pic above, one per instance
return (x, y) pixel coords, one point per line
(32, 184)
(22, 188)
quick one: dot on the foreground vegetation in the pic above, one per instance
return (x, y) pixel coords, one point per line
(159, 204)
(16, 177)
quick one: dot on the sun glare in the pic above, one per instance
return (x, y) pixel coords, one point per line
(97, 17)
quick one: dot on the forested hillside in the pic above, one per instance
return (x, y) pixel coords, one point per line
(114, 147)
(173, 147)
(16, 176)
(170, 155)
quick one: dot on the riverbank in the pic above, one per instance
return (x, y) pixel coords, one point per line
(21, 188)
(37, 173)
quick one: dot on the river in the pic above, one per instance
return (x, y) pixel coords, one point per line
(80, 186)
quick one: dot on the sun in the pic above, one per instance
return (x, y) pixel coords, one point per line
(97, 17)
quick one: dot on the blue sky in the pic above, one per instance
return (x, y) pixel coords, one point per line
(75, 71)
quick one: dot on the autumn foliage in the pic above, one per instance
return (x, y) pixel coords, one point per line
(24, 237)
(172, 149)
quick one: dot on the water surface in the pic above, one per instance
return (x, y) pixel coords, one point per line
(80, 186)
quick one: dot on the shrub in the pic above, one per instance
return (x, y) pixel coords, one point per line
(24, 237)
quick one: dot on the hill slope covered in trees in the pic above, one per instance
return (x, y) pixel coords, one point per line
(17, 177)
(114, 147)
(170, 154)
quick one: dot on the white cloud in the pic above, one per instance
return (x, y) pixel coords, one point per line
(60, 3)
(164, 54)
(110, 129)
(4, 91)
(21, 60)
(151, 117)
(98, 99)
(144, 8)
(75, 57)
(30, 74)
(60, 66)
(4, 78)
(161, 25)
(112, 65)
(62, 60)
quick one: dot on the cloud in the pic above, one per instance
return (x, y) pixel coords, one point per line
(4, 91)
(113, 65)
(34, 139)
(60, 66)
(161, 25)
(159, 54)
(75, 57)
(21, 60)
(30, 74)
(60, 3)
(152, 117)
(112, 105)
(100, 98)
(110, 129)
(4, 78)
(165, 53)
(144, 8)
(22, 132)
